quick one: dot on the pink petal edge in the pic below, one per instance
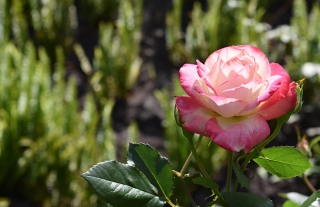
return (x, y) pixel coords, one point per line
(188, 74)
(193, 116)
(281, 107)
(238, 133)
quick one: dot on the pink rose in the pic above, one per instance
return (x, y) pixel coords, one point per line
(232, 95)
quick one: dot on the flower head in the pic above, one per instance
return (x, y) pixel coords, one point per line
(232, 95)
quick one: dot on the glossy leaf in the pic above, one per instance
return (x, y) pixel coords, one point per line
(205, 182)
(243, 180)
(290, 204)
(155, 167)
(239, 199)
(284, 162)
(119, 185)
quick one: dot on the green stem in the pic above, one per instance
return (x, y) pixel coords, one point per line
(203, 170)
(188, 193)
(229, 173)
(183, 170)
(170, 203)
(258, 148)
(196, 157)
(186, 163)
(308, 183)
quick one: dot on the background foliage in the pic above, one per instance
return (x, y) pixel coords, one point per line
(55, 120)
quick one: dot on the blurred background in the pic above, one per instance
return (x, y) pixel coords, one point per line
(79, 79)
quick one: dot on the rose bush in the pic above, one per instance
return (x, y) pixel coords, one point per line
(232, 95)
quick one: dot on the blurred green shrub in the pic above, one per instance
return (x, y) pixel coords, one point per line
(51, 23)
(224, 23)
(240, 22)
(116, 58)
(304, 47)
(45, 142)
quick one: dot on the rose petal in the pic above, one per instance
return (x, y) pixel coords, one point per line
(230, 52)
(274, 83)
(281, 93)
(277, 69)
(188, 74)
(202, 69)
(246, 92)
(193, 116)
(212, 59)
(202, 72)
(262, 61)
(281, 107)
(226, 107)
(235, 134)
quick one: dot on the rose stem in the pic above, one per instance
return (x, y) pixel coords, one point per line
(196, 157)
(261, 145)
(308, 183)
(258, 148)
(183, 169)
(202, 169)
(187, 191)
(170, 203)
(229, 173)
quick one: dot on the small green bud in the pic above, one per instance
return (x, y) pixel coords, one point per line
(299, 89)
(185, 132)
(177, 117)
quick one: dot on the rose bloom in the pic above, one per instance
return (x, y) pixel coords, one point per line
(232, 95)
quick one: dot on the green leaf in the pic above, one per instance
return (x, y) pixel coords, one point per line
(120, 184)
(205, 182)
(284, 162)
(243, 180)
(313, 200)
(239, 199)
(155, 167)
(294, 197)
(290, 204)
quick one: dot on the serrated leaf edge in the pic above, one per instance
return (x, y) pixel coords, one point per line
(264, 157)
(158, 156)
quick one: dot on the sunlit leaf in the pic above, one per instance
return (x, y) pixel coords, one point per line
(155, 167)
(290, 204)
(120, 185)
(284, 162)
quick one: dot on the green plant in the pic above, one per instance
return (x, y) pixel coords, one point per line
(220, 25)
(116, 60)
(45, 141)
